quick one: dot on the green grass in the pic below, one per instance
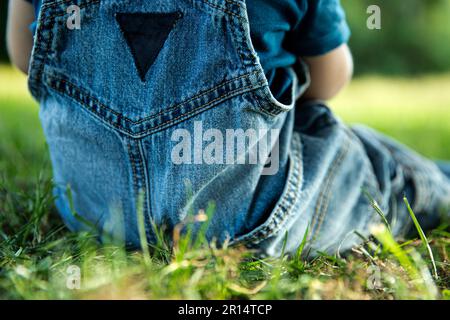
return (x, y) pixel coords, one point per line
(36, 251)
(416, 112)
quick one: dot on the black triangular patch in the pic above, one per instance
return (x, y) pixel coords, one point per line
(146, 34)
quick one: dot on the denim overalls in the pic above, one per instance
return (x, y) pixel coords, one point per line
(157, 108)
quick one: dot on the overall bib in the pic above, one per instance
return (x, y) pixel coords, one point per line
(156, 107)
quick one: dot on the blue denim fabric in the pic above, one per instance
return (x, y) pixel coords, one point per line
(110, 134)
(445, 167)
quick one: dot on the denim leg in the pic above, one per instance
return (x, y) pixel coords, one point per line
(341, 170)
(444, 167)
(410, 175)
(337, 179)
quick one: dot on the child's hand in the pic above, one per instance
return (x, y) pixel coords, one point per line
(329, 73)
(18, 35)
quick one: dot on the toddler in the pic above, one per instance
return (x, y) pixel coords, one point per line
(176, 110)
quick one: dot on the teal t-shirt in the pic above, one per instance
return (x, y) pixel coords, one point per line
(283, 30)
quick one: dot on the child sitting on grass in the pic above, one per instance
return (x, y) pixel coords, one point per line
(122, 93)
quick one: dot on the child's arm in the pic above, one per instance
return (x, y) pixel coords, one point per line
(320, 38)
(18, 35)
(329, 73)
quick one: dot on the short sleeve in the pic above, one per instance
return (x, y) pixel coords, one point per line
(322, 28)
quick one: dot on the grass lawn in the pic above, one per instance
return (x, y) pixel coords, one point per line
(37, 254)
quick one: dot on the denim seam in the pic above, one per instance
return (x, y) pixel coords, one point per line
(267, 107)
(168, 123)
(243, 43)
(37, 76)
(136, 184)
(176, 106)
(145, 171)
(246, 41)
(42, 51)
(225, 10)
(234, 3)
(238, 45)
(134, 174)
(124, 143)
(283, 210)
(133, 168)
(261, 107)
(372, 218)
(324, 196)
(160, 126)
(192, 98)
(202, 108)
(44, 36)
(57, 3)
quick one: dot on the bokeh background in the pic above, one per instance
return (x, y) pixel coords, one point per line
(401, 86)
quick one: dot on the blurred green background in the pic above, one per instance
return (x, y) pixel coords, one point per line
(414, 39)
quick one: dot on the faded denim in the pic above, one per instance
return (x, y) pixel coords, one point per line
(109, 128)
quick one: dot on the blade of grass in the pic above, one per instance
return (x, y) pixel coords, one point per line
(377, 209)
(300, 249)
(422, 237)
(387, 240)
(141, 229)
